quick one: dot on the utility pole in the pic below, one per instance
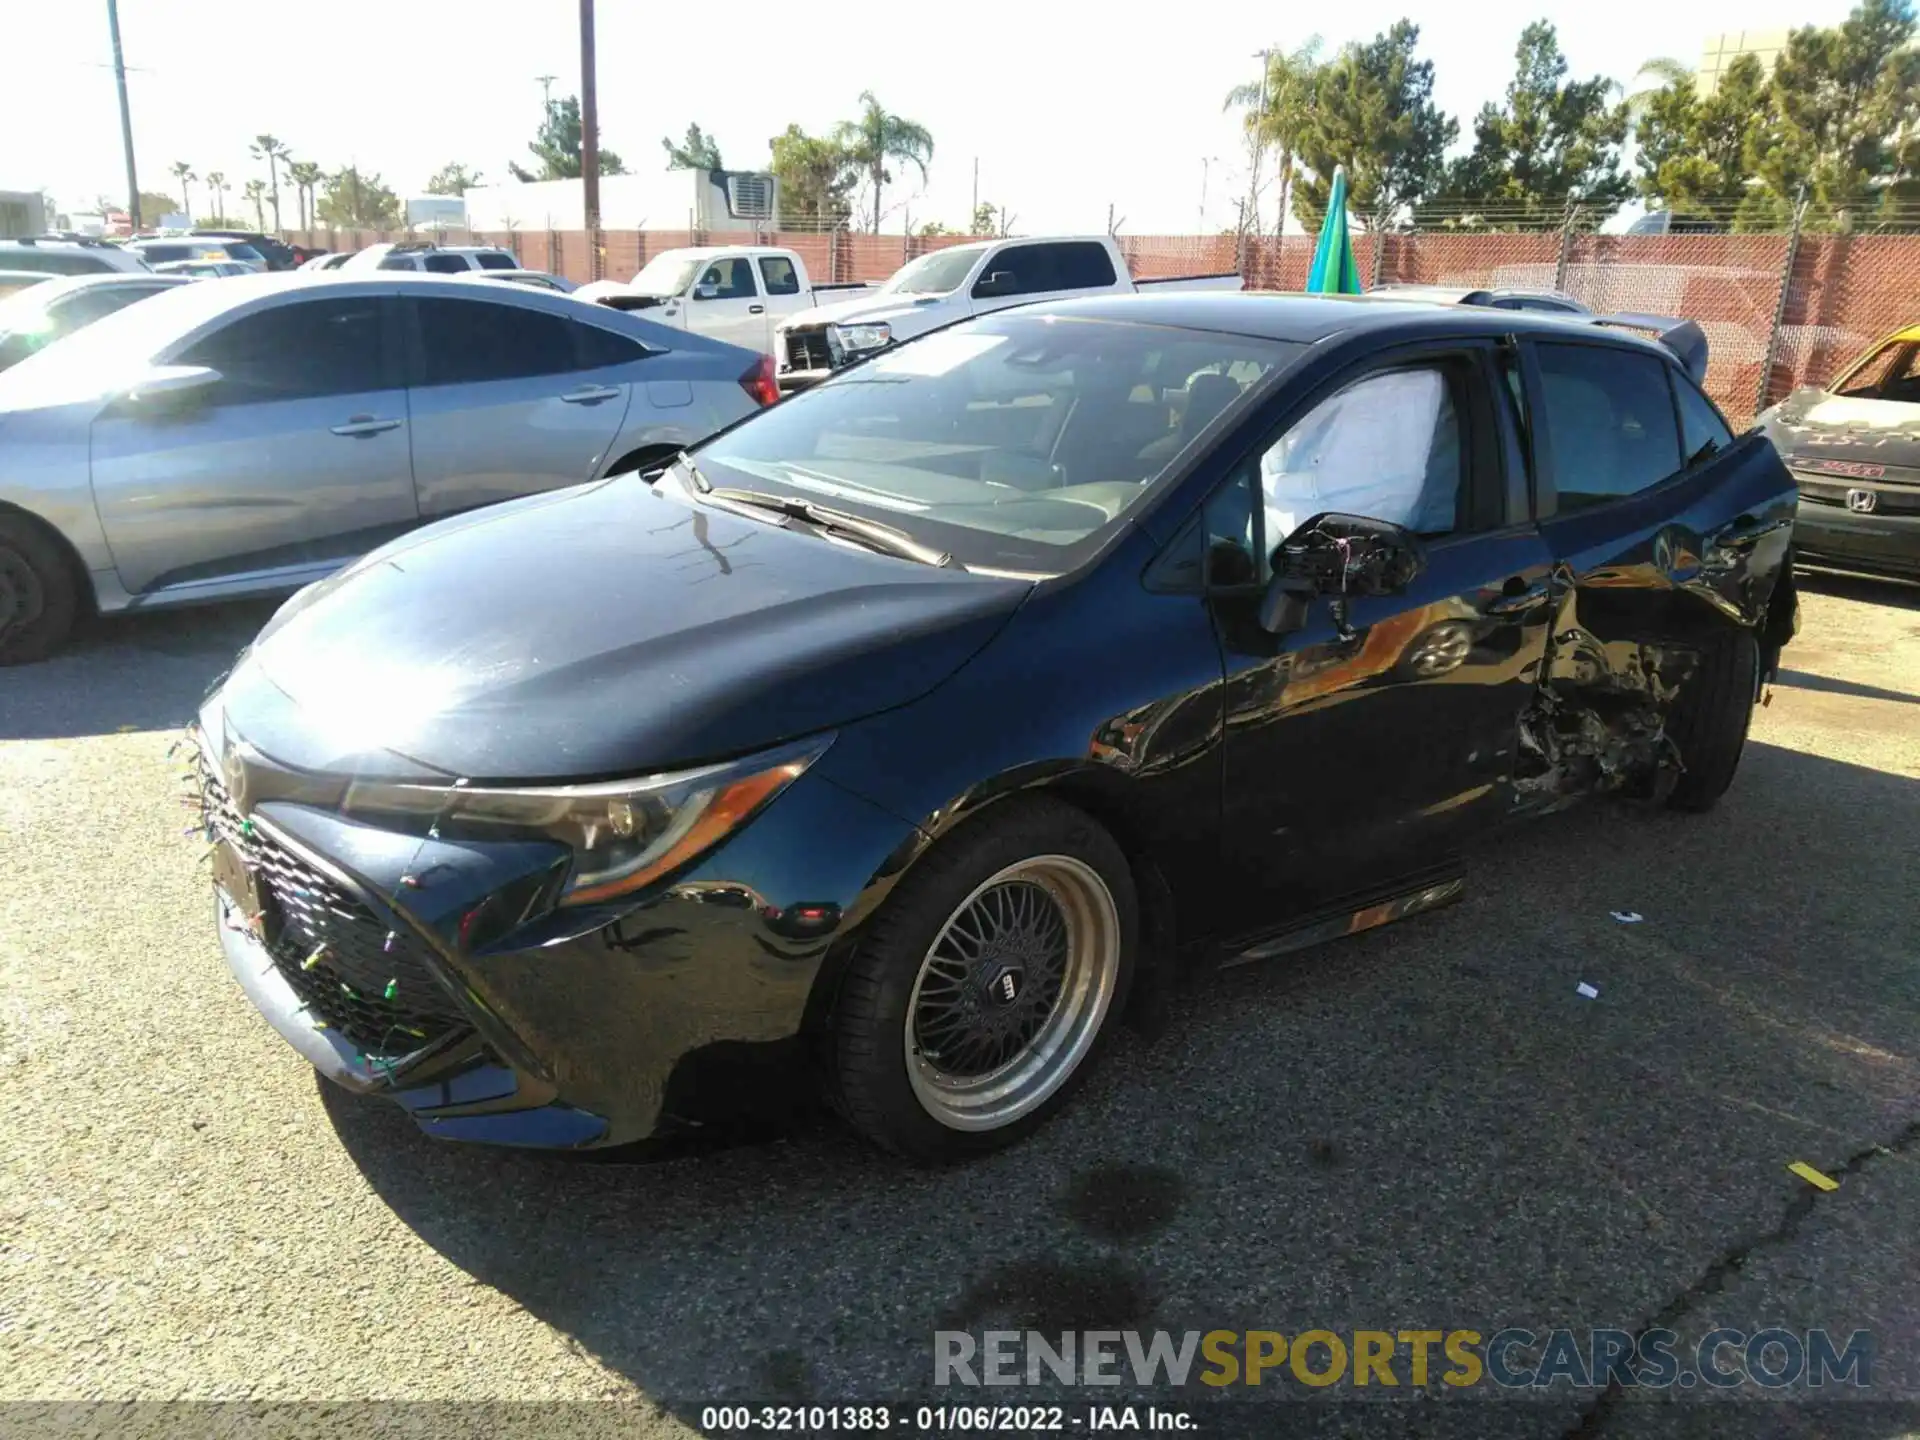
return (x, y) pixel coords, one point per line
(545, 83)
(589, 139)
(976, 192)
(126, 115)
(1259, 143)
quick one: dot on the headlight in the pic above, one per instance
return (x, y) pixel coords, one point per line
(624, 834)
(855, 338)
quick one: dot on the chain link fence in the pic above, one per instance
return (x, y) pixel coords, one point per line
(1779, 310)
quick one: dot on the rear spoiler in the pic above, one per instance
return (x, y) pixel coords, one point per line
(1684, 338)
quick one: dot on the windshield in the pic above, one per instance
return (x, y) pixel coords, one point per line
(1015, 442)
(937, 274)
(668, 274)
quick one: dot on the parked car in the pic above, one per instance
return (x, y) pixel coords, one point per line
(1551, 302)
(903, 729)
(248, 437)
(949, 285)
(54, 256)
(1854, 450)
(204, 269)
(540, 279)
(167, 249)
(276, 252)
(736, 293)
(332, 260)
(55, 308)
(427, 258)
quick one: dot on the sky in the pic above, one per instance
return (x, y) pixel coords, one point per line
(1068, 107)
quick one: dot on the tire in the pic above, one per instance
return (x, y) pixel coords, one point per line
(1708, 722)
(38, 594)
(927, 1056)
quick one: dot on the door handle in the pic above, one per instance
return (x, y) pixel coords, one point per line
(1745, 533)
(590, 395)
(756, 309)
(1517, 597)
(361, 426)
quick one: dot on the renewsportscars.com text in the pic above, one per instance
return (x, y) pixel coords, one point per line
(1513, 1359)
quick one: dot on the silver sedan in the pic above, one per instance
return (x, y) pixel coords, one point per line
(250, 437)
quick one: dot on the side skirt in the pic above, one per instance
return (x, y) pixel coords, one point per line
(1431, 893)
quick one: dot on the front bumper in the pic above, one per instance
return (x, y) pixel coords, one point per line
(565, 1029)
(1881, 543)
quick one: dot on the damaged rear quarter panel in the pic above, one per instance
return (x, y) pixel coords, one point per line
(1639, 587)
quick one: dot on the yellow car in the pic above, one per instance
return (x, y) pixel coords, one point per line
(1854, 450)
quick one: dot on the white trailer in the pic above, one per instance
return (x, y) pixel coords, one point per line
(721, 202)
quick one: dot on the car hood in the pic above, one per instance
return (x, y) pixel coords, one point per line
(1812, 424)
(595, 632)
(872, 310)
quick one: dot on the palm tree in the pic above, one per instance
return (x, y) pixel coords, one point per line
(273, 150)
(1286, 92)
(217, 186)
(183, 172)
(256, 192)
(877, 137)
(1666, 72)
(305, 175)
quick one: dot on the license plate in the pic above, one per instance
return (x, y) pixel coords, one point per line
(239, 887)
(1858, 469)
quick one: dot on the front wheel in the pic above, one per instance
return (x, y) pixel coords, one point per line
(986, 984)
(38, 596)
(1709, 720)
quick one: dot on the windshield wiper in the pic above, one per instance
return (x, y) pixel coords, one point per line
(700, 482)
(871, 533)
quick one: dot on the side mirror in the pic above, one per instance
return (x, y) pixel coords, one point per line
(1000, 282)
(1341, 556)
(706, 292)
(168, 384)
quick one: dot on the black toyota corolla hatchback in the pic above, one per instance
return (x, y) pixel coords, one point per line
(893, 736)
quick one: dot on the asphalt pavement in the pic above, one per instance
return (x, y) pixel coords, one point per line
(1425, 1127)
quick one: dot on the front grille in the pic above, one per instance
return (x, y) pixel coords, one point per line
(1887, 499)
(331, 949)
(808, 350)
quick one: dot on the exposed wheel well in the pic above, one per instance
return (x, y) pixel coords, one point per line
(82, 577)
(645, 457)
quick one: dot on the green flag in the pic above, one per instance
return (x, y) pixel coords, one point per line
(1334, 272)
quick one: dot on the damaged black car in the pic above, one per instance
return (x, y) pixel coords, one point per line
(900, 737)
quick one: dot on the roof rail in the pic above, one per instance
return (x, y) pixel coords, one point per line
(412, 245)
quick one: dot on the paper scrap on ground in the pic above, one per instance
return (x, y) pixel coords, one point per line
(1628, 917)
(1812, 1176)
(1587, 990)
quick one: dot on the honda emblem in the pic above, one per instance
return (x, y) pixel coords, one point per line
(1861, 502)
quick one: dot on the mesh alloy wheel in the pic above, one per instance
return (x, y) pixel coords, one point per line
(1012, 993)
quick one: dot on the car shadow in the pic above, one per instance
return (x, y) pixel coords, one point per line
(1806, 680)
(145, 671)
(1869, 589)
(1427, 1122)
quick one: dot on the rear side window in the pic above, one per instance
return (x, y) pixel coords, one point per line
(777, 274)
(447, 264)
(466, 342)
(161, 254)
(314, 348)
(1608, 416)
(398, 262)
(91, 305)
(1702, 431)
(490, 260)
(602, 347)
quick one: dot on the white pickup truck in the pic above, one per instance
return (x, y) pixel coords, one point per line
(951, 284)
(735, 293)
